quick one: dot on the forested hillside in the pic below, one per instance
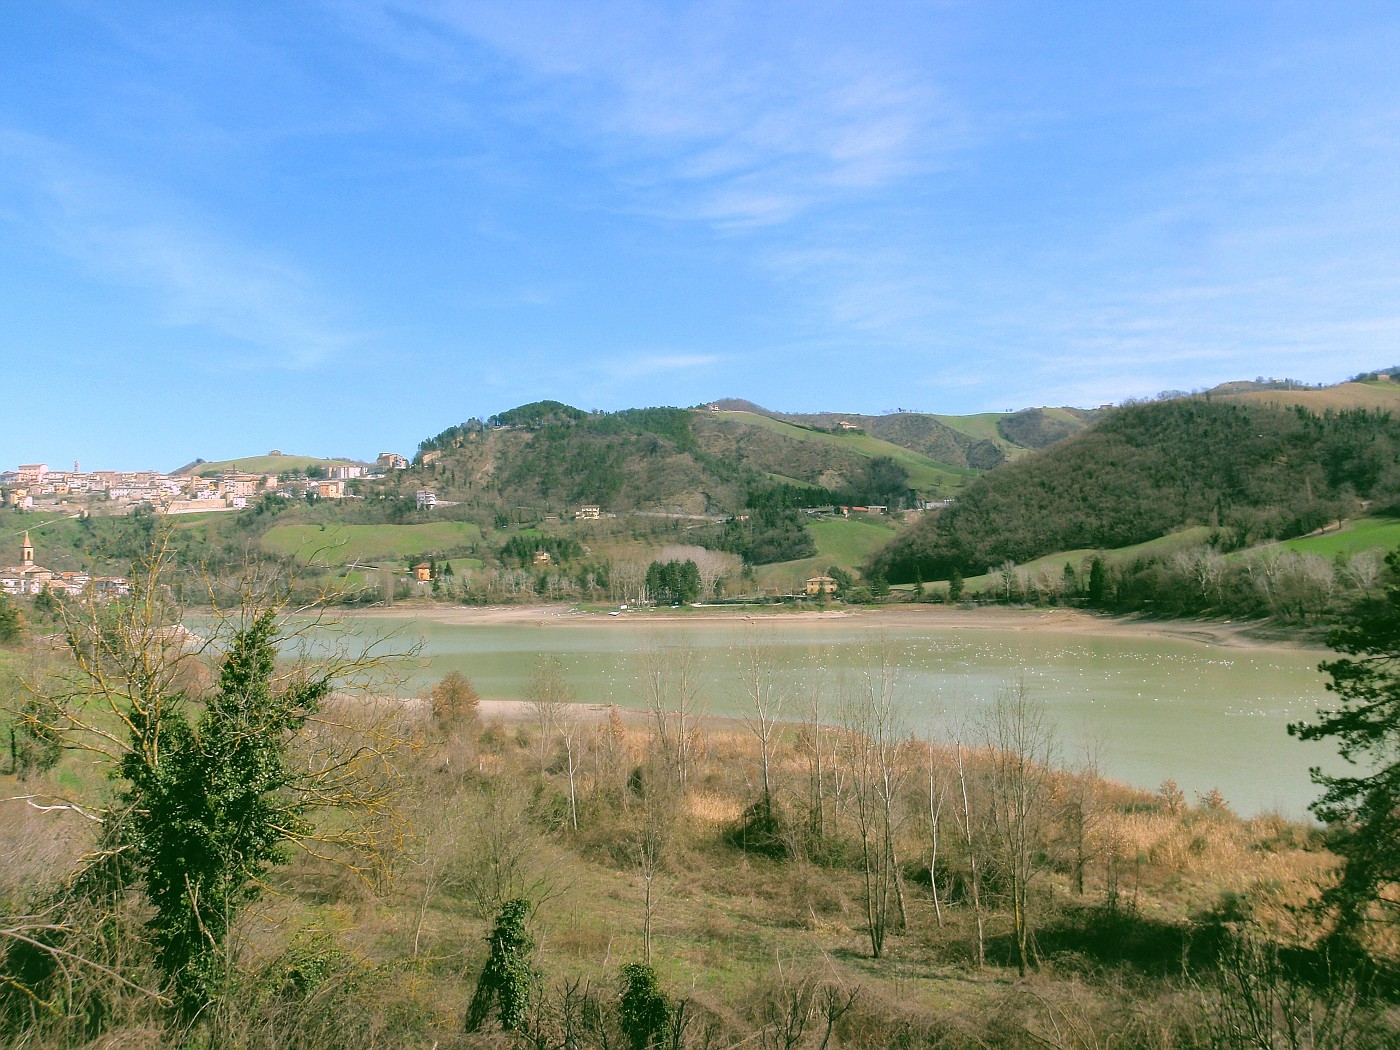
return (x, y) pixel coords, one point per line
(549, 456)
(1249, 472)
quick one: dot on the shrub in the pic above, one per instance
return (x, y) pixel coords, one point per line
(644, 1009)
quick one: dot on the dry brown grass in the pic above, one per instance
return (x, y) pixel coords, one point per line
(1376, 396)
(730, 928)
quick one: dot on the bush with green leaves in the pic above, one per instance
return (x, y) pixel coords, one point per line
(644, 1009)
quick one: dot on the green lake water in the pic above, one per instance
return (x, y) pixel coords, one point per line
(1206, 716)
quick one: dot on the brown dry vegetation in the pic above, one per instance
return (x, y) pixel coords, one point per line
(1151, 923)
(1383, 397)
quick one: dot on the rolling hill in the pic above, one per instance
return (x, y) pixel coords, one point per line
(266, 464)
(1247, 471)
(551, 457)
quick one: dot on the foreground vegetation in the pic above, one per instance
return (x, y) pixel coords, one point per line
(204, 846)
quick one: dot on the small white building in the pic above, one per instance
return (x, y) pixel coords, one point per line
(426, 498)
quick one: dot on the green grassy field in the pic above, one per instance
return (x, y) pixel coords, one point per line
(1358, 535)
(783, 479)
(343, 544)
(982, 426)
(842, 542)
(267, 464)
(849, 542)
(925, 474)
(1163, 545)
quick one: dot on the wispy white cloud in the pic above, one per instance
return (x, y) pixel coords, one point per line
(704, 111)
(627, 368)
(195, 277)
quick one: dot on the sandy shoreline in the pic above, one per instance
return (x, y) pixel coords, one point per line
(1228, 634)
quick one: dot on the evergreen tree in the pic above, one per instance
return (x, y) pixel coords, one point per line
(1097, 592)
(955, 586)
(1362, 811)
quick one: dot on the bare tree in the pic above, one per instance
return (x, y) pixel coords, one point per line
(937, 795)
(610, 755)
(1205, 565)
(766, 701)
(670, 677)
(813, 743)
(627, 580)
(1020, 743)
(970, 841)
(1257, 1001)
(571, 737)
(1010, 579)
(503, 857)
(1363, 569)
(650, 839)
(873, 731)
(1083, 812)
(548, 696)
(713, 565)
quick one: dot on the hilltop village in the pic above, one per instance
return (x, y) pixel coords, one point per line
(36, 487)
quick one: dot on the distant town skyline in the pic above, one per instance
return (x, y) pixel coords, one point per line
(339, 228)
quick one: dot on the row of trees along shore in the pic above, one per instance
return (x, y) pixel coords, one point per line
(1285, 586)
(225, 836)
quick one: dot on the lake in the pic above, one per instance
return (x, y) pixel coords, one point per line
(1205, 715)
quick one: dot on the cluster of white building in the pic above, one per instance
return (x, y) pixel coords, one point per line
(34, 486)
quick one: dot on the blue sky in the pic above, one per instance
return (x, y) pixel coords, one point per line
(337, 228)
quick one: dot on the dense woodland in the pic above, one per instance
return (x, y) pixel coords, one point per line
(1249, 472)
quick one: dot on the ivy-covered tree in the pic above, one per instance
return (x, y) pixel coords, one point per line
(509, 979)
(644, 1008)
(208, 819)
(214, 778)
